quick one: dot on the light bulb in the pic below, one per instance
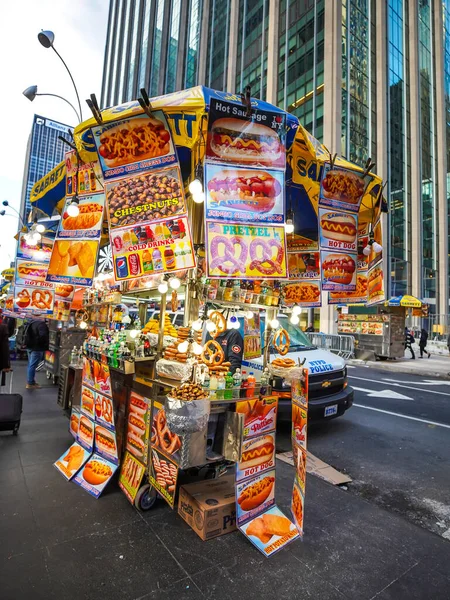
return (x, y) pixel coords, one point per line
(377, 247)
(366, 251)
(83, 325)
(289, 226)
(210, 312)
(195, 187)
(274, 323)
(296, 310)
(294, 320)
(73, 210)
(183, 347)
(163, 287)
(197, 325)
(198, 197)
(174, 283)
(40, 228)
(36, 237)
(134, 333)
(126, 319)
(210, 326)
(197, 348)
(249, 314)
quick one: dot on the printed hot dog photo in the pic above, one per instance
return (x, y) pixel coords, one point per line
(233, 137)
(257, 455)
(238, 194)
(138, 426)
(105, 443)
(338, 230)
(341, 188)
(95, 475)
(339, 271)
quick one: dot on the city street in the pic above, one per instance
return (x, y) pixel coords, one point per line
(394, 444)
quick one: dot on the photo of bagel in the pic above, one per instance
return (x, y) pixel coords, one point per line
(235, 140)
(339, 227)
(132, 140)
(96, 472)
(247, 191)
(339, 268)
(256, 493)
(256, 452)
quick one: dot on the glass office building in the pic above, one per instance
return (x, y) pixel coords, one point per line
(369, 78)
(44, 152)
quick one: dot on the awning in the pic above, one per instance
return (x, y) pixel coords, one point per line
(8, 274)
(50, 191)
(406, 301)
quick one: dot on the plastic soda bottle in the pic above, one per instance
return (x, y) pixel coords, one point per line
(251, 384)
(228, 386)
(265, 378)
(206, 382)
(244, 385)
(237, 379)
(213, 387)
(220, 387)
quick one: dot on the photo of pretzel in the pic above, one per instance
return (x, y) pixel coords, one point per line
(266, 263)
(106, 410)
(168, 442)
(41, 299)
(282, 341)
(236, 264)
(219, 321)
(212, 354)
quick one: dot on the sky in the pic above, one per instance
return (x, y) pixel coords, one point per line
(80, 34)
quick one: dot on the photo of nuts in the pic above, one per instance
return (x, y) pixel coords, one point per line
(146, 197)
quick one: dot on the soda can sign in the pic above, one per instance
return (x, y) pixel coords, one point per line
(121, 267)
(135, 265)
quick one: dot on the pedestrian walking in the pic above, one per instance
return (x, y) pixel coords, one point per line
(409, 341)
(310, 328)
(423, 343)
(5, 364)
(36, 343)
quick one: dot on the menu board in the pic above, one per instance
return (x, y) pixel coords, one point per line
(338, 230)
(234, 137)
(304, 293)
(338, 271)
(235, 194)
(299, 436)
(31, 299)
(152, 249)
(247, 251)
(39, 252)
(82, 177)
(95, 475)
(134, 144)
(138, 426)
(88, 223)
(341, 188)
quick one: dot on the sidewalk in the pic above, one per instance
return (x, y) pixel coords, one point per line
(436, 366)
(60, 543)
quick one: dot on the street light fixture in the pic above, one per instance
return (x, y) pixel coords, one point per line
(46, 39)
(32, 91)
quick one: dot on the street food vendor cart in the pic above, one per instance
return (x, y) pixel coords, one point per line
(227, 202)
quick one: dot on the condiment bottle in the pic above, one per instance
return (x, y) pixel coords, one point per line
(243, 291)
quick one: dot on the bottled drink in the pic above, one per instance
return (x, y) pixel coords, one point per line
(244, 385)
(236, 290)
(237, 379)
(206, 381)
(251, 384)
(73, 357)
(265, 378)
(157, 260)
(228, 291)
(249, 293)
(243, 291)
(213, 387)
(228, 387)
(220, 387)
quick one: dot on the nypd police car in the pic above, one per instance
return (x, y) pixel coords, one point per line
(329, 393)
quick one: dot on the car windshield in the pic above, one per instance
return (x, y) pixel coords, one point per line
(297, 337)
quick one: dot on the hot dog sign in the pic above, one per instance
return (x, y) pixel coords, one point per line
(248, 251)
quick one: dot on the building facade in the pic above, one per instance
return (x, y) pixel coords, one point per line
(44, 152)
(369, 78)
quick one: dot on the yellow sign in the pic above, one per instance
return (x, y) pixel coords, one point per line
(47, 183)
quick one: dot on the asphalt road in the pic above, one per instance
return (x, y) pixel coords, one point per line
(394, 443)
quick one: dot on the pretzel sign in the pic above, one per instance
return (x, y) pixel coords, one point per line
(266, 264)
(212, 354)
(282, 341)
(219, 321)
(228, 262)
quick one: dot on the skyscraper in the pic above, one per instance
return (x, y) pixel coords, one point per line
(369, 78)
(44, 151)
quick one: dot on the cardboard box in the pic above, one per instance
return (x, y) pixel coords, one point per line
(209, 506)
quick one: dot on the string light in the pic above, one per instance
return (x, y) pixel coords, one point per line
(183, 347)
(197, 348)
(197, 325)
(377, 248)
(40, 228)
(73, 210)
(274, 323)
(210, 326)
(198, 197)
(289, 227)
(249, 314)
(134, 333)
(366, 251)
(163, 287)
(174, 283)
(195, 187)
(296, 310)
(295, 320)
(83, 325)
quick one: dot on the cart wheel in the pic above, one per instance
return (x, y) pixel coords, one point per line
(145, 498)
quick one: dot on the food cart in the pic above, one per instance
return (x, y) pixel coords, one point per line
(197, 188)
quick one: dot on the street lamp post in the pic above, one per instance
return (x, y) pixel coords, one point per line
(46, 39)
(32, 91)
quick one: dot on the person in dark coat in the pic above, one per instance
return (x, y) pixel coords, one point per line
(36, 340)
(310, 328)
(409, 341)
(423, 342)
(5, 364)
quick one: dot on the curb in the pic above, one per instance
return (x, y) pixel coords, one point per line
(406, 369)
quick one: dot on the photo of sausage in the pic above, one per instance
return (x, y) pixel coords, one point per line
(256, 493)
(339, 227)
(339, 268)
(257, 452)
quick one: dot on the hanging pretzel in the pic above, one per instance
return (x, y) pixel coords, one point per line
(219, 321)
(282, 341)
(212, 354)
